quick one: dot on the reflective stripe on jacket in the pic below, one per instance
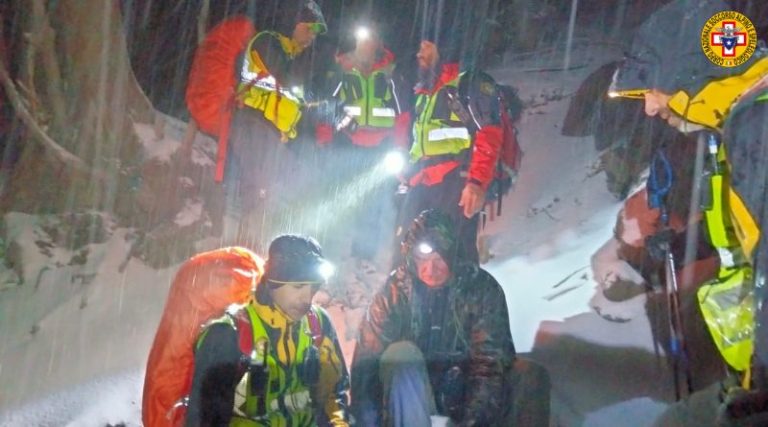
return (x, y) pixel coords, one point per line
(440, 136)
(287, 401)
(438, 132)
(369, 99)
(260, 90)
(305, 383)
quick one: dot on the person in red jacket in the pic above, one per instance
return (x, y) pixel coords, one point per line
(457, 136)
(373, 94)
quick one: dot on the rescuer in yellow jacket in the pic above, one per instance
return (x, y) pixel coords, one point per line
(261, 162)
(727, 107)
(275, 361)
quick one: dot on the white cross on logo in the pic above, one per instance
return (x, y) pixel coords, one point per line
(728, 38)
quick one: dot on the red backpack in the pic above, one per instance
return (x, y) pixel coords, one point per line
(203, 288)
(212, 82)
(510, 154)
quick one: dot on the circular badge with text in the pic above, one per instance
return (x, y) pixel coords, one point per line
(728, 39)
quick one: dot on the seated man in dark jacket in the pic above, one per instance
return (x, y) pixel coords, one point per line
(436, 341)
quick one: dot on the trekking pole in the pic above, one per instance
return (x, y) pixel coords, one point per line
(659, 184)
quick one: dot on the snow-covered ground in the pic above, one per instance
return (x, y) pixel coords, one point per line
(81, 364)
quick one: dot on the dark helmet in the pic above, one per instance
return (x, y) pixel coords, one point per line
(310, 13)
(666, 52)
(294, 258)
(434, 229)
(282, 16)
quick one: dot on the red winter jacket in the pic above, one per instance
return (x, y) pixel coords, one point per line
(370, 136)
(483, 103)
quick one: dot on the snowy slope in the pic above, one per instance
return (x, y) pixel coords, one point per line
(83, 364)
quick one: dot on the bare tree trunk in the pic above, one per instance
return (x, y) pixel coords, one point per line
(94, 100)
(44, 39)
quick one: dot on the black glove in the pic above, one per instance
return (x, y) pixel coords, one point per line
(658, 244)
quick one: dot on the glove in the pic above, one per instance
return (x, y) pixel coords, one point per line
(659, 243)
(323, 134)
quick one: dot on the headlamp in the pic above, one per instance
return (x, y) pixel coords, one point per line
(394, 162)
(425, 248)
(326, 270)
(362, 33)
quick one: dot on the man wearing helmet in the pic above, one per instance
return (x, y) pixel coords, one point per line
(293, 373)
(436, 341)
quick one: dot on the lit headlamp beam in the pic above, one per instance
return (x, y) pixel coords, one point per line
(362, 33)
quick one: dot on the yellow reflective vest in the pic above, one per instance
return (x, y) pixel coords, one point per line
(369, 99)
(275, 388)
(260, 90)
(434, 135)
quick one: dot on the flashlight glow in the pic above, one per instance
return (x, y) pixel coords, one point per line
(326, 270)
(394, 162)
(362, 33)
(425, 248)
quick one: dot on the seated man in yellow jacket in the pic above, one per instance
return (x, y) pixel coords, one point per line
(275, 361)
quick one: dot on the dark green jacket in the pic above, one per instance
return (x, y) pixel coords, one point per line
(464, 324)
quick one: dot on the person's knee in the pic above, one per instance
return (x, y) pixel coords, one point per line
(401, 354)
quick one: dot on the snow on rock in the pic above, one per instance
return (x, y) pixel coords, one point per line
(156, 144)
(190, 213)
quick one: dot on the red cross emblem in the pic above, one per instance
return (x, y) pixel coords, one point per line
(728, 38)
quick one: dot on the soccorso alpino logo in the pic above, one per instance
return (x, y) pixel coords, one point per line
(728, 39)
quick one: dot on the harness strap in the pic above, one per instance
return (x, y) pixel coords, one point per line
(315, 329)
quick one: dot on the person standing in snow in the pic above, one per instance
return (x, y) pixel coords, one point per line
(728, 107)
(436, 341)
(457, 133)
(375, 95)
(261, 161)
(294, 372)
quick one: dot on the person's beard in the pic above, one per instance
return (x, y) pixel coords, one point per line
(428, 76)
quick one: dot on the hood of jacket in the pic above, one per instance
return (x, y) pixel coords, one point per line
(666, 52)
(711, 104)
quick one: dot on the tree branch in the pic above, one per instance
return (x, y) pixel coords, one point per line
(26, 117)
(47, 50)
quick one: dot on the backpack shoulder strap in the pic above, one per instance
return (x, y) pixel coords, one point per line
(315, 327)
(244, 331)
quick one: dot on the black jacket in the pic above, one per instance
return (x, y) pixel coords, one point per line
(465, 323)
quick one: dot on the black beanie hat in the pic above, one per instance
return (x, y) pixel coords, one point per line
(294, 258)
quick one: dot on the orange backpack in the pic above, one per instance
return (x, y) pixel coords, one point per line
(213, 78)
(202, 290)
